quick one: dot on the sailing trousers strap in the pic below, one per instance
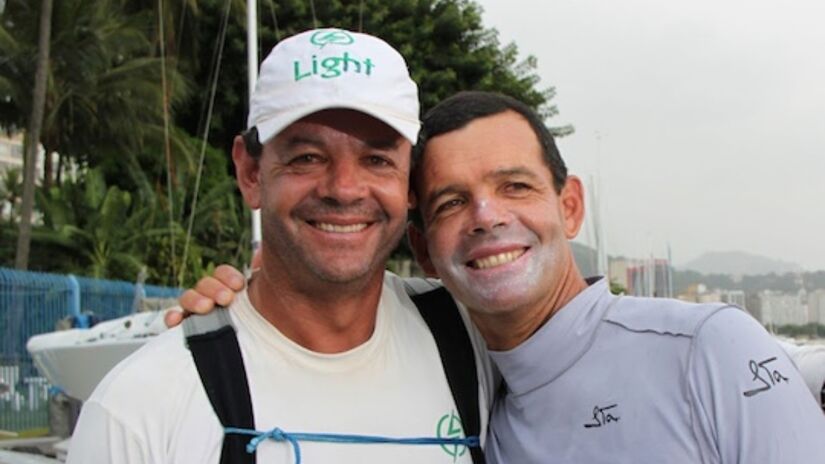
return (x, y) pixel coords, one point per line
(217, 355)
(457, 358)
(218, 359)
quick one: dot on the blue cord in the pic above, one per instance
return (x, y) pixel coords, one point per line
(293, 438)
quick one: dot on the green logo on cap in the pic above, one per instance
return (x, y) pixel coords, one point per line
(335, 36)
(329, 67)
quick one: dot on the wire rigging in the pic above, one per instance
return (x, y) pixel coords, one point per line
(314, 18)
(361, 16)
(212, 93)
(167, 147)
(274, 20)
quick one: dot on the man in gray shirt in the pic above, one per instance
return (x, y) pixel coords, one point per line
(588, 377)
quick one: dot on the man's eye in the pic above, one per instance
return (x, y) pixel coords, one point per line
(307, 158)
(378, 161)
(517, 187)
(448, 205)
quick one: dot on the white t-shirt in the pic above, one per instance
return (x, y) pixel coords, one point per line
(152, 407)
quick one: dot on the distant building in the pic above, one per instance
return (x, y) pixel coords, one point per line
(816, 306)
(617, 270)
(11, 151)
(12, 154)
(783, 308)
(648, 278)
(754, 305)
(699, 293)
(734, 297)
(642, 277)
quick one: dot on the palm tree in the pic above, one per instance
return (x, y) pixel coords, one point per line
(21, 260)
(103, 96)
(11, 190)
(96, 228)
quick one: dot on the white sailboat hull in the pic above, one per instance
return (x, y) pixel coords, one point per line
(76, 360)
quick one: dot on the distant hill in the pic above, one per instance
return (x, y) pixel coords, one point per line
(739, 263)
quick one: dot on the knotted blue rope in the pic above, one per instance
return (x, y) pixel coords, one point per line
(293, 438)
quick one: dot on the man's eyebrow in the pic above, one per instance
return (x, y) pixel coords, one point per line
(376, 144)
(297, 140)
(514, 171)
(383, 143)
(495, 175)
(446, 190)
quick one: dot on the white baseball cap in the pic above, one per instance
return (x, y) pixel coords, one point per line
(333, 68)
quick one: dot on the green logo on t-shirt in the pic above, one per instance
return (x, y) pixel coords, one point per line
(449, 426)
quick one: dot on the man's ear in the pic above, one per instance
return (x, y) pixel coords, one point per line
(571, 200)
(246, 173)
(412, 199)
(418, 245)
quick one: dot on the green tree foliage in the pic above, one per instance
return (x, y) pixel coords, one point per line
(104, 95)
(788, 282)
(617, 288)
(94, 229)
(220, 224)
(811, 329)
(105, 108)
(11, 189)
(446, 46)
(91, 227)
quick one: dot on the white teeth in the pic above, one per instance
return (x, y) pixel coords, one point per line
(347, 229)
(496, 260)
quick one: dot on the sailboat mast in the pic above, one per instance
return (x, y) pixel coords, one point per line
(252, 67)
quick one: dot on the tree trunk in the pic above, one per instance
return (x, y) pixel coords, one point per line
(59, 177)
(21, 261)
(47, 169)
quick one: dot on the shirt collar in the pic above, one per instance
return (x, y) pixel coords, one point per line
(558, 344)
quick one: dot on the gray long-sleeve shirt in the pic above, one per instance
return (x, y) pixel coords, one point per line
(636, 380)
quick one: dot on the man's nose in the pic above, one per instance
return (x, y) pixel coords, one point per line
(487, 214)
(344, 182)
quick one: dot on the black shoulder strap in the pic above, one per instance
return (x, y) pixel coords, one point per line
(457, 357)
(214, 346)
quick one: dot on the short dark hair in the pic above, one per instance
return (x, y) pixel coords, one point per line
(465, 107)
(252, 143)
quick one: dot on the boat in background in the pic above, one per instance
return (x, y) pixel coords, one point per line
(75, 360)
(12, 457)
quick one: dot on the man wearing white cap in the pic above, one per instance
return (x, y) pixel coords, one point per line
(334, 354)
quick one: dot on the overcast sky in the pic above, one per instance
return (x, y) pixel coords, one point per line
(702, 122)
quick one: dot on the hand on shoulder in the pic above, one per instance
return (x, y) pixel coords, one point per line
(219, 288)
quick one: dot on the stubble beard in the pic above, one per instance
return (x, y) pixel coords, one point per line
(307, 270)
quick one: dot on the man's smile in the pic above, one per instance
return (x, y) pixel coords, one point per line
(497, 259)
(339, 228)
